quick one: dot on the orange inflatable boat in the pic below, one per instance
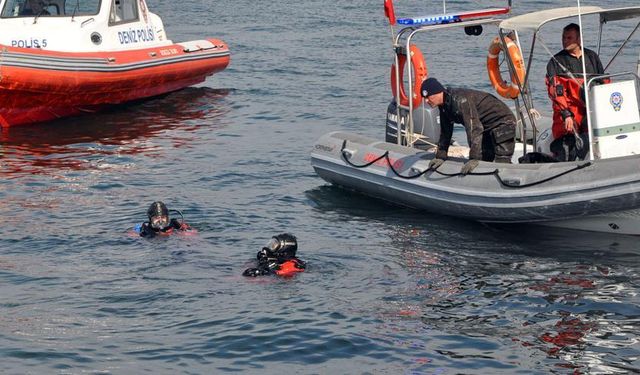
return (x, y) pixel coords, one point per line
(100, 54)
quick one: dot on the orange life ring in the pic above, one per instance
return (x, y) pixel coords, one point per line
(420, 73)
(505, 89)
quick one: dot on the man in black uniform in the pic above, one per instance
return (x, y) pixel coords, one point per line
(490, 124)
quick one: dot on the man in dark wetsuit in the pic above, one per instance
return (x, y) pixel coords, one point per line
(565, 84)
(278, 258)
(159, 222)
(489, 123)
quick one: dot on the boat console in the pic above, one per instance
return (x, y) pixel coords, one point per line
(80, 25)
(615, 118)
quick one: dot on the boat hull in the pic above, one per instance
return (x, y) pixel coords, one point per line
(574, 190)
(39, 85)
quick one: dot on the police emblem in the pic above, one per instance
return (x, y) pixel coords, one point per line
(616, 101)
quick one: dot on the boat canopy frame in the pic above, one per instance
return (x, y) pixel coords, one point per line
(533, 22)
(408, 33)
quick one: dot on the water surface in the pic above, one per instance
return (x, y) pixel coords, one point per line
(388, 290)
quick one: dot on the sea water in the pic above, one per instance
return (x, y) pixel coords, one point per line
(388, 290)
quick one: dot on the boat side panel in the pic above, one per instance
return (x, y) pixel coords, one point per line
(578, 193)
(29, 94)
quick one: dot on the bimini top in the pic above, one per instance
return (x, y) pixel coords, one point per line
(533, 21)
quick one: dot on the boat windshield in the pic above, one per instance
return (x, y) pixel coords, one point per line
(46, 8)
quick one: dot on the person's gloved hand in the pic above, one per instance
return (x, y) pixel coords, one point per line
(435, 164)
(469, 166)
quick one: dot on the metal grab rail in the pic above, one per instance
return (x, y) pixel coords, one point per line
(412, 31)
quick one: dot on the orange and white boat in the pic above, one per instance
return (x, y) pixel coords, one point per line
(65, 57)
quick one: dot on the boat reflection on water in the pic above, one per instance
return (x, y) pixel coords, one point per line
(71, 143)
(562, 299)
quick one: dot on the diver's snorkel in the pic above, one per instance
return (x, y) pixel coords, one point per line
(179, 213)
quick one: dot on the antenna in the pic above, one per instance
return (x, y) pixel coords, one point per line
(75, 9)
(586, 89)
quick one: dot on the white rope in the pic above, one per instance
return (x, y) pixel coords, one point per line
(534, 112)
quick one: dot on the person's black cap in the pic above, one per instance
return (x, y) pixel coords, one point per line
(431, 86)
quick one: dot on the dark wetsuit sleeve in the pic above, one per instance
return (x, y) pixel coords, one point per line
(266, 264)
(258, 271)
(146, 231)
(175, 224)
(446, 131)
(473, 126)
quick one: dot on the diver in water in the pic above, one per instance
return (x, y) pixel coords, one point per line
(278, 258)
(159, 222)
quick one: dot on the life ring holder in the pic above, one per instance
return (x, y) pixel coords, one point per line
(420, 73)
(509, 90)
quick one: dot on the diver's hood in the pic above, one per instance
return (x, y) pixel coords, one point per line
(157, 209)
(158, 215)
(283, 245)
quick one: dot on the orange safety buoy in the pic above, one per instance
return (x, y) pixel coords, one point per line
(420, 73)
(509, 90)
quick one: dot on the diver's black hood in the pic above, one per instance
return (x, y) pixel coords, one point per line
(157, 209)
(283, 246)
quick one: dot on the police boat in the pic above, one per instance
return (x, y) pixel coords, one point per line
(599, 193)
(65, 57)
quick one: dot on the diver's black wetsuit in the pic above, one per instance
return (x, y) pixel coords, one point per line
(269, 263)
(147, 231)
(489, 123)
(278, 258)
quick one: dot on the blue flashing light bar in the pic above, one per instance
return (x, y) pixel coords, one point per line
(449, 18)
(429, 20)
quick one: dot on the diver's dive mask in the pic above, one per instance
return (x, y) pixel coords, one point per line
(283, 245)
(159, 222)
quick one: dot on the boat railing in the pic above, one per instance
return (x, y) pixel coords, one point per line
(408, 34)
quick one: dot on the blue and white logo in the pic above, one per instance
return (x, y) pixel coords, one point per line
(616, 101)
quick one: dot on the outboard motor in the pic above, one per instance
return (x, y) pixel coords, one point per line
(426, 124)
(544, 141)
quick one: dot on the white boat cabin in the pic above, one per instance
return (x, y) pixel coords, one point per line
(80, 25)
